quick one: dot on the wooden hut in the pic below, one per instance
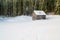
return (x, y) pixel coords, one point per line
(37, 15)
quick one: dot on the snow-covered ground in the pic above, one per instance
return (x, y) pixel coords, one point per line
(19, 19)
(23, 28)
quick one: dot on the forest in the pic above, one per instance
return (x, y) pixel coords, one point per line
(26, 7)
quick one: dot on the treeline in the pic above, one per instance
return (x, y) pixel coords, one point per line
(26, 7)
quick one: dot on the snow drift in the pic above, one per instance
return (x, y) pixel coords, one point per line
(23, 28)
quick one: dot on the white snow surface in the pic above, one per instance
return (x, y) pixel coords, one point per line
(23, 28)
(39, 12)
(20, 19)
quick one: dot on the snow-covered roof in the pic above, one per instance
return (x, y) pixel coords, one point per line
(39, 12)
